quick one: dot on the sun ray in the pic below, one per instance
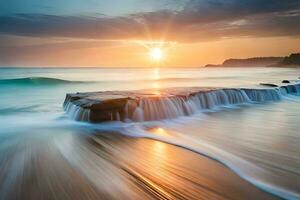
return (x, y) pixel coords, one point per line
(156, 54)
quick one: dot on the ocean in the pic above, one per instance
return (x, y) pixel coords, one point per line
(258, 141)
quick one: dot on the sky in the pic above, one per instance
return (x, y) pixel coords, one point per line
(119, 33)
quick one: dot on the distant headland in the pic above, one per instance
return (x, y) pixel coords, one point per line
(292, 60)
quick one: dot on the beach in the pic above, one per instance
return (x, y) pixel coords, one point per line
(161, 99)
(114, 167)
(241, 146)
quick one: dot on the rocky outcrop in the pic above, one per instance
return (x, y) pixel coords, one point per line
(249, 62)
(252, 62)
(169, 103)
(292, 60)
(118, 105)
(269, 84)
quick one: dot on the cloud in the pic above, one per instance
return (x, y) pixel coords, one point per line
(198, 20)
(233, 8)
(67, 26)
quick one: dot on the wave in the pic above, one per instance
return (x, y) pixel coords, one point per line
(243, 168)
(189, 78)
(260, 177)
(14, 110)
(37, 81)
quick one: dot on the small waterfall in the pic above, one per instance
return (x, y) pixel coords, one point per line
(138, 115)
(76, 112)
(161, 108)
(263, 95)
(150, 108)
(291, 89)
(175, 106)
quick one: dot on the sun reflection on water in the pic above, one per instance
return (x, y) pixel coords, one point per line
(156, 73)
(156, 86)
(159, 131)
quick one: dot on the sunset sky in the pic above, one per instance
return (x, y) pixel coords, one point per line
(119, 33)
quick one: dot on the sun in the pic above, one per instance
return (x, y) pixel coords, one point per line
(156, 54)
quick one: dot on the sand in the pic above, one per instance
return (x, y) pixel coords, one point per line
(109, 166)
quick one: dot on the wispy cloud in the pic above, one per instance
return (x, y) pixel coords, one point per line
(198, 20)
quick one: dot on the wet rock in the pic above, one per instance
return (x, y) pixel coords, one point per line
(118, 105)
(166, 103)
(269, 84)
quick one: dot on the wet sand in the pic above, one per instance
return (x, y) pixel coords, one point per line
(109, 166)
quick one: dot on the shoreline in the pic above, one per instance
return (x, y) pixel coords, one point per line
(111, 166)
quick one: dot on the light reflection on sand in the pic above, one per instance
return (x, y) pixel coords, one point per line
(108, 166)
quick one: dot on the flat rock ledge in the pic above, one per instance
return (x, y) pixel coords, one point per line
(118, 105)
(122, 105)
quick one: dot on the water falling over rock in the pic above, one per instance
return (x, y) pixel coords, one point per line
(170, 103)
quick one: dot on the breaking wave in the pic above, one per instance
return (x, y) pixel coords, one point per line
(31, 81)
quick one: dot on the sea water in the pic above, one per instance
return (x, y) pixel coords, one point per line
(259, 142)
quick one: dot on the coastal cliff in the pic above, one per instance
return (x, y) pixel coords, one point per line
(288, 61)
(292, 60)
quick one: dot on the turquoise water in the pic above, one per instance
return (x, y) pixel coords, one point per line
(259, 142)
